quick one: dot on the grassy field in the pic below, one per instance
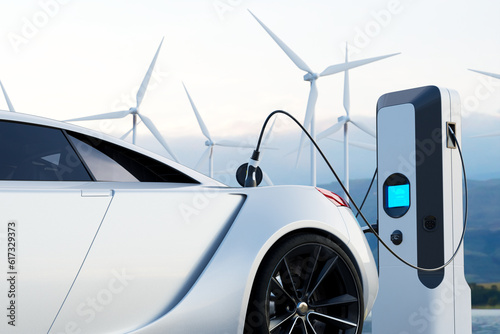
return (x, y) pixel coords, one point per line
(485, 295)
(486, 307)
(489, 285)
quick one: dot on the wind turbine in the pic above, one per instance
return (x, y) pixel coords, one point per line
(343, 122)
(496, 76)
(311, 76)
(210, 143)
(9, 104)
(134, 111)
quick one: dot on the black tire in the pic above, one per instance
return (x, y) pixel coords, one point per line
(306, 284)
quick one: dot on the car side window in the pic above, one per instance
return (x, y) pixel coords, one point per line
(36, 153)
(111, 162)
(102, 167)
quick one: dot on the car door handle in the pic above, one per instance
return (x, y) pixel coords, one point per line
(97, 193)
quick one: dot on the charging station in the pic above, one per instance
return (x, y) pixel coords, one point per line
(420, 213)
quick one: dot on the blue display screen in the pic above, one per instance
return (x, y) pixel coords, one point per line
(398, 196)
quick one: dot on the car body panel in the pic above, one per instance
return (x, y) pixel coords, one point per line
(360, 248)
(53, 232)
(254, 232)
(147, 257)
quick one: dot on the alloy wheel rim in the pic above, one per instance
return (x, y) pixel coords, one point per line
(312, 290)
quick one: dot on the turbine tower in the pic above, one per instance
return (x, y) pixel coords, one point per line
(210, 143)
(311, 76)
(134, 111)
(343, 122)
(9, 104)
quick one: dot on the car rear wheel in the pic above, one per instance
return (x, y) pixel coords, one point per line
(306, 284)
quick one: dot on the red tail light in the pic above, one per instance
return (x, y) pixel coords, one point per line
(334, 198)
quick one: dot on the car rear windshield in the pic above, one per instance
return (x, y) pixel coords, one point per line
(99, 156)
(30, 152)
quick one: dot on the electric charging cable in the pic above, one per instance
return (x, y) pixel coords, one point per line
(367, 192)
(254, 162)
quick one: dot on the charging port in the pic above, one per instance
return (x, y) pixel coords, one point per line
(451, 137)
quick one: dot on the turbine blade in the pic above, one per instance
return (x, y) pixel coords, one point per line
(149, 124)
(129, 131)
(497, 76)
(232, 143)
(311, 103)
(331, 130)
(365, 146)
(347, 97)
(346, 66)
(126, 134)
(292, 55)
(363, 128)
(265, 147)
(267, 179)
(9, 104)
(496, 134)
(229, 170)
(203, 127)
(269, 132)
(203, 159)
(147, 77)
(109, 115)
(294, 151)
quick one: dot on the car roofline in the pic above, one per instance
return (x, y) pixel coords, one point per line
(43, 121)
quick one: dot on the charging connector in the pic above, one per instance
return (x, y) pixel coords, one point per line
(251, 175)
(451, 139)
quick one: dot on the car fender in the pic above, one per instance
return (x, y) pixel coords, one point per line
(219, 289)
(358, 246)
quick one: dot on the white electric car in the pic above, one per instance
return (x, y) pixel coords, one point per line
(100, 236)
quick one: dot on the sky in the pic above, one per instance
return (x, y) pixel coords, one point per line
(64, 59)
